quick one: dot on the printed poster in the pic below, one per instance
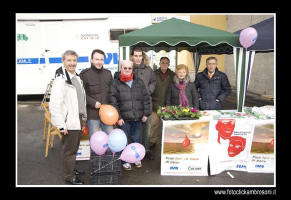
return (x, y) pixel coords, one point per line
(84, 148)
(261, 158)
(185, 148)
(229, 144)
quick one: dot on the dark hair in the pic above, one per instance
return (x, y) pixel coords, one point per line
(164, 58)
(97, 51)
(211, 58)
(136, 48)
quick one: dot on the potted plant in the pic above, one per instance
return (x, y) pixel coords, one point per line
(178, 113)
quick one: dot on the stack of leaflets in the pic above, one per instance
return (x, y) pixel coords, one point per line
(264, 112)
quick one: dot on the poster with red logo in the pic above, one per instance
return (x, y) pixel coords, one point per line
(185, 148)
(229, 144)
(262, 159)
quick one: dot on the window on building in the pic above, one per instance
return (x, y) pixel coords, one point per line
(115, 33)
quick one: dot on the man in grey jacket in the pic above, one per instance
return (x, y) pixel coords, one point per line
(144, 72)
(68, 113)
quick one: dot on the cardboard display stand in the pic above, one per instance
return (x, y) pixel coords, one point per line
(231, 141)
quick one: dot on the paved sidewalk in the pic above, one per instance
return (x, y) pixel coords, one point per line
(34, 169)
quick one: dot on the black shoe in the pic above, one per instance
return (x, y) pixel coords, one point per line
(76, 181)
(79, 172)
(150, 155)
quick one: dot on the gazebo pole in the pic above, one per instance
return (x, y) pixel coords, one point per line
(197, 59)
(243, 66)
(124, 54)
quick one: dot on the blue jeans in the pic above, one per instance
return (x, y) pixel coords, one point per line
(94, 125)
(133, 130)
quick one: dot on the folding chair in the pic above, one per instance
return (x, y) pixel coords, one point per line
(45, 109)
(44, 104)
(51, 130)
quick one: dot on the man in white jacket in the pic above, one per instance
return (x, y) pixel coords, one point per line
(68, 113)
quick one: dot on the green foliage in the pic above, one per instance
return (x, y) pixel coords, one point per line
(178, 112)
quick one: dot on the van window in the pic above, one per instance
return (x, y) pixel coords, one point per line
(115, 33)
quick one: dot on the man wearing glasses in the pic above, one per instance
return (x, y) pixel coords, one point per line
(129, 96)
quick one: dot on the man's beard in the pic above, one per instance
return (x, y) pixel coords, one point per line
(137, 65)
(96, 66)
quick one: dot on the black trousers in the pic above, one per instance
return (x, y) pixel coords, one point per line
(70, 146)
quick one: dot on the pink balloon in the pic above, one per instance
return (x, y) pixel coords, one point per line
(99, 142)
(133, 153)
(248, 37)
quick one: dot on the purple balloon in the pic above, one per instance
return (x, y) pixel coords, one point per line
(99, 142)
(248, 37)
(133, 153)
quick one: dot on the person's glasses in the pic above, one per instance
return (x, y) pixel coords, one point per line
(127, 68)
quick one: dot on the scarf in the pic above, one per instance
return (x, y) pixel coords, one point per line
(182, 96)
(124, 78)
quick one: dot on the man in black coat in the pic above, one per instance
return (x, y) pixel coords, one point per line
(212, 85)
(129, 96)
(96, 81)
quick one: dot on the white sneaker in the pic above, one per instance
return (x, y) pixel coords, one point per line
(126, 166)
(138, 164)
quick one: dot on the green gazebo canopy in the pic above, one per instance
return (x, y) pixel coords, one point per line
(179, 33)
(176, 34)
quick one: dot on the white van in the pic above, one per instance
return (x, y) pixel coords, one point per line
(42, 38)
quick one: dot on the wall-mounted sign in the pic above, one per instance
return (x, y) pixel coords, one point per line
(158, 19)
(89, 36)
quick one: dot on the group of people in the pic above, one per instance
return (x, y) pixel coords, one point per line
(136, 91)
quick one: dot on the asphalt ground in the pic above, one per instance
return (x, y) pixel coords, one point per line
(32, 168)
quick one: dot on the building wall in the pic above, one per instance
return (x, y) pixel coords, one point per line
(186, 57)
(262, 75)
(213, 21)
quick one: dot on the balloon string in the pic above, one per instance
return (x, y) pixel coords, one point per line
(96, 170)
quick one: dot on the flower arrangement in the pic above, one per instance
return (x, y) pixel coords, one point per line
(178, 112)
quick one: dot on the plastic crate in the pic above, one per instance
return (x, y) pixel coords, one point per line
(108, 169)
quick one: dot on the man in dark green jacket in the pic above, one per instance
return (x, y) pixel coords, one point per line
(164, 77)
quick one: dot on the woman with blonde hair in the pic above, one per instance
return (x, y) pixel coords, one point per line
(182, 91)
